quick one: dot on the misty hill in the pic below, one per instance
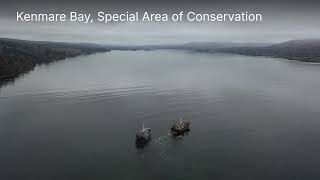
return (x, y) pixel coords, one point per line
(214, 46)
(20, 56)
(300, 44)
(193, 46)
(300, 50)
(144, 47)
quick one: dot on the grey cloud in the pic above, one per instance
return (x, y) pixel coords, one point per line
(280, 23)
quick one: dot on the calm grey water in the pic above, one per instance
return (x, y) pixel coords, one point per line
(251, 118)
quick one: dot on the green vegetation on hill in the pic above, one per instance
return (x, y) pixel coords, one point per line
(20, 56)
(300, 50)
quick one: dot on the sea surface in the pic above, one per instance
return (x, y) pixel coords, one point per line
(251, 118)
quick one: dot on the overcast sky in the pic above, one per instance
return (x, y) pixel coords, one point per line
(282, 20)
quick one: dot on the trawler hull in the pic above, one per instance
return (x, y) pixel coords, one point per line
(180, 128)
(179, 132)
(140, 138)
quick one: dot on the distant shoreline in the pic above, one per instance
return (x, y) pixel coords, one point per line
(18, 57)
(299, 50)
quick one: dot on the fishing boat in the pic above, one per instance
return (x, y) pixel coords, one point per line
(143, 136)
(180, 127)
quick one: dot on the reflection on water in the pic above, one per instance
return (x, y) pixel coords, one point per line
(76, 119)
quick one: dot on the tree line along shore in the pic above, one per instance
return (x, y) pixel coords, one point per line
(19, 56)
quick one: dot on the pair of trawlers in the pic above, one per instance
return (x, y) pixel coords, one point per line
(178, 128)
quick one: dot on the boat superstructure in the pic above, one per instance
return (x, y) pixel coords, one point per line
(179, 127)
